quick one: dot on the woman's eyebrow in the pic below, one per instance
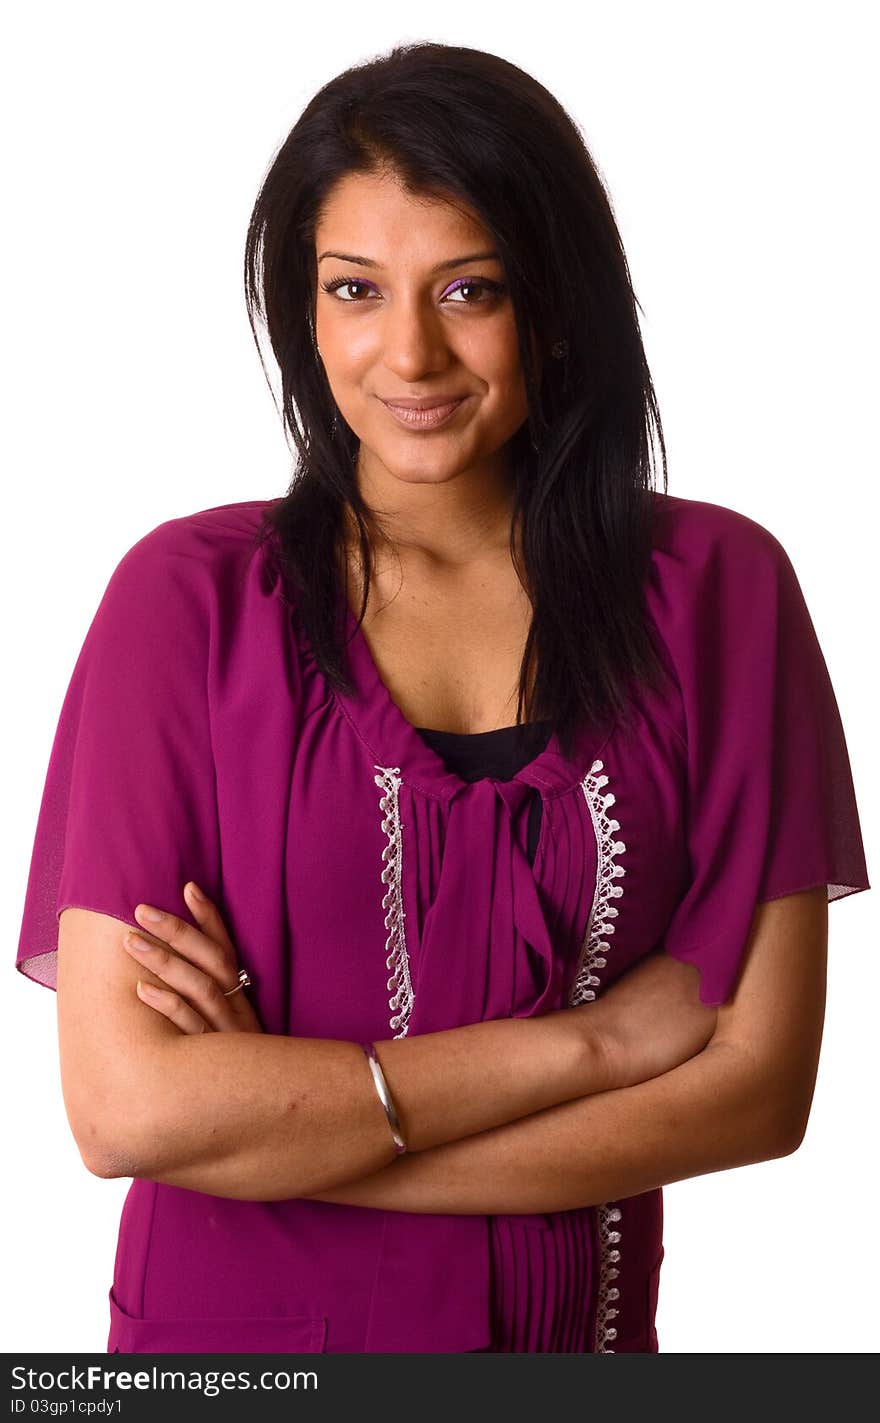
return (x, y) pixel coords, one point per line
(440, 267)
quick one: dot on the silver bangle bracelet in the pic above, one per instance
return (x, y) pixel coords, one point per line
(385, 1097)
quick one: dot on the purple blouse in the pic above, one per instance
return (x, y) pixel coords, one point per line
(371, 892)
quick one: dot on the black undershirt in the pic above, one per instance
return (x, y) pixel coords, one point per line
(500, 753)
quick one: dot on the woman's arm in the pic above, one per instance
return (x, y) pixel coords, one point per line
(258, 1116)
(264, 1117)
(706, 1115)
(745, 1098)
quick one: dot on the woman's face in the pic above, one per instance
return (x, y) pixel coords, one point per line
(409, 319)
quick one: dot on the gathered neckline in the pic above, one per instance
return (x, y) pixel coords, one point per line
(395, 743)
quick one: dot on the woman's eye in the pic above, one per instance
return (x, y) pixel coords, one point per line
(491, 290)
(341, 282)
(494, 289)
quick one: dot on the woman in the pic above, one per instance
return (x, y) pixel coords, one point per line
(552, 820)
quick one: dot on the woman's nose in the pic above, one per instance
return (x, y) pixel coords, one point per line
(413, 341)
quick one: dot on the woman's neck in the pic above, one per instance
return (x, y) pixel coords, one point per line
(462, 523)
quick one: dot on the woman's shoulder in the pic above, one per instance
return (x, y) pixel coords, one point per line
(220, 526)
(186, 566)
(713, 569)
(205, 544)
(693, 530)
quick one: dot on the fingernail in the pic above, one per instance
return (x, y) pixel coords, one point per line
(134, 941)
(196, 893)
(147, 989)
(143, 911)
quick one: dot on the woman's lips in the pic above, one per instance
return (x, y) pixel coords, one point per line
(424, 419)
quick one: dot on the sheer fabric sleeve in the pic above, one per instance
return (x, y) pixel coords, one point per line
(770, 802)
(128, 810)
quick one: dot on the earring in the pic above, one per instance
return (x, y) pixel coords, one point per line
(559, 349)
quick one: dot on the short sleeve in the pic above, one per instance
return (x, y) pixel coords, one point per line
(128, 811)
(770, 806)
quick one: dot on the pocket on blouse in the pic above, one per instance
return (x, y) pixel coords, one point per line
(226, 1334)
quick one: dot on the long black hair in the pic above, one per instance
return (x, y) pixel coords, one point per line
(466, 125)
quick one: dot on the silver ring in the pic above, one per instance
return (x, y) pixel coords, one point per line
(243, 982)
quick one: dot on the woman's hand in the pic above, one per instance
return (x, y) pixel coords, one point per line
(198, 965)
(648, 1021)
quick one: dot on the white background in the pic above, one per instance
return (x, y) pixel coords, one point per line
(738, 144)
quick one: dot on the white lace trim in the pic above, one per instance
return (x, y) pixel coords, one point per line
(586, 982)
(594, 947)
(609, 1239)
(397, 960)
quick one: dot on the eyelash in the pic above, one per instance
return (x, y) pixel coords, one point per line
(495, 289)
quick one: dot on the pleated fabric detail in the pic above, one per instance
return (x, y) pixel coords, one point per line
(542, 1296)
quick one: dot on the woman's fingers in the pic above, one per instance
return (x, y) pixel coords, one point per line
(211, 922)
(173, 1007)
(208, 917)
(200, 989)
(194, 944)
(199, 966)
